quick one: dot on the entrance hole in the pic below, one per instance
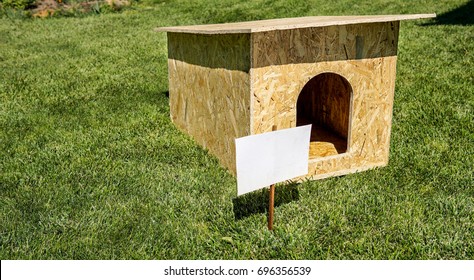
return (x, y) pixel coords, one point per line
(324, 102)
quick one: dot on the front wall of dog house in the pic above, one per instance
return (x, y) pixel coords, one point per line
(283, 61)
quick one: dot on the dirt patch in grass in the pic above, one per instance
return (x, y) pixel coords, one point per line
(48, 8)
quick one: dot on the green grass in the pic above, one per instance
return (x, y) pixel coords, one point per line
(92, 168)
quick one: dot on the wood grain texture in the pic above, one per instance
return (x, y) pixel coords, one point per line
(329, 43)
(227, 86)
(288, 23)
(209, 86)
(370, 71)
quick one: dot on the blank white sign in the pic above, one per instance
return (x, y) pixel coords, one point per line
(271, 157)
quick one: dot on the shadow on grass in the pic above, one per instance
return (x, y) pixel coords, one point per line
(463, 15)
(257, 202)
(166, 93)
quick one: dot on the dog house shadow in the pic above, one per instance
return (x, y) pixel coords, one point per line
(257, 202)
(462, 15)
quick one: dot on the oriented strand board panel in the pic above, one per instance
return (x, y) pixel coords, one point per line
(231, 80)
(288, 23)
(209, 86)
(364, 54)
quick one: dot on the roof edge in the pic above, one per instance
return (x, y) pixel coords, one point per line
(287, 23)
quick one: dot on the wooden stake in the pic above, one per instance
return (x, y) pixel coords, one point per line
(271, 204)
(271, 201)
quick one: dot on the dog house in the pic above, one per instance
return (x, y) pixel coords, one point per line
(337, 73)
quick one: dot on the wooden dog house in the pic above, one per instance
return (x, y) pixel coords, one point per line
(337, 73)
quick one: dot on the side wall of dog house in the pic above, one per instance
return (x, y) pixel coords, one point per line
(209, 86)
(283, 61)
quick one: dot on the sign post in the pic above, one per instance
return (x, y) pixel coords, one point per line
(271, 199)
(265, 159)
(271, 205)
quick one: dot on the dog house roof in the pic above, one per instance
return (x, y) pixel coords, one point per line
(287, 23)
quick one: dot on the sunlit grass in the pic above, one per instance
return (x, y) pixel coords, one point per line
(92, 168)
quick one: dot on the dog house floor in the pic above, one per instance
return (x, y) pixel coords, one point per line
(324, 142)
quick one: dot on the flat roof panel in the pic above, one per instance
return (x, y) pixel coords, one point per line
(287, 23)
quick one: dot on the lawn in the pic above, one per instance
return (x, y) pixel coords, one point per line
(91, 166)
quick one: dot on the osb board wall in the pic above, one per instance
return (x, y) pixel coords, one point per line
(365, 55)
(209, 88)
(328, 43)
